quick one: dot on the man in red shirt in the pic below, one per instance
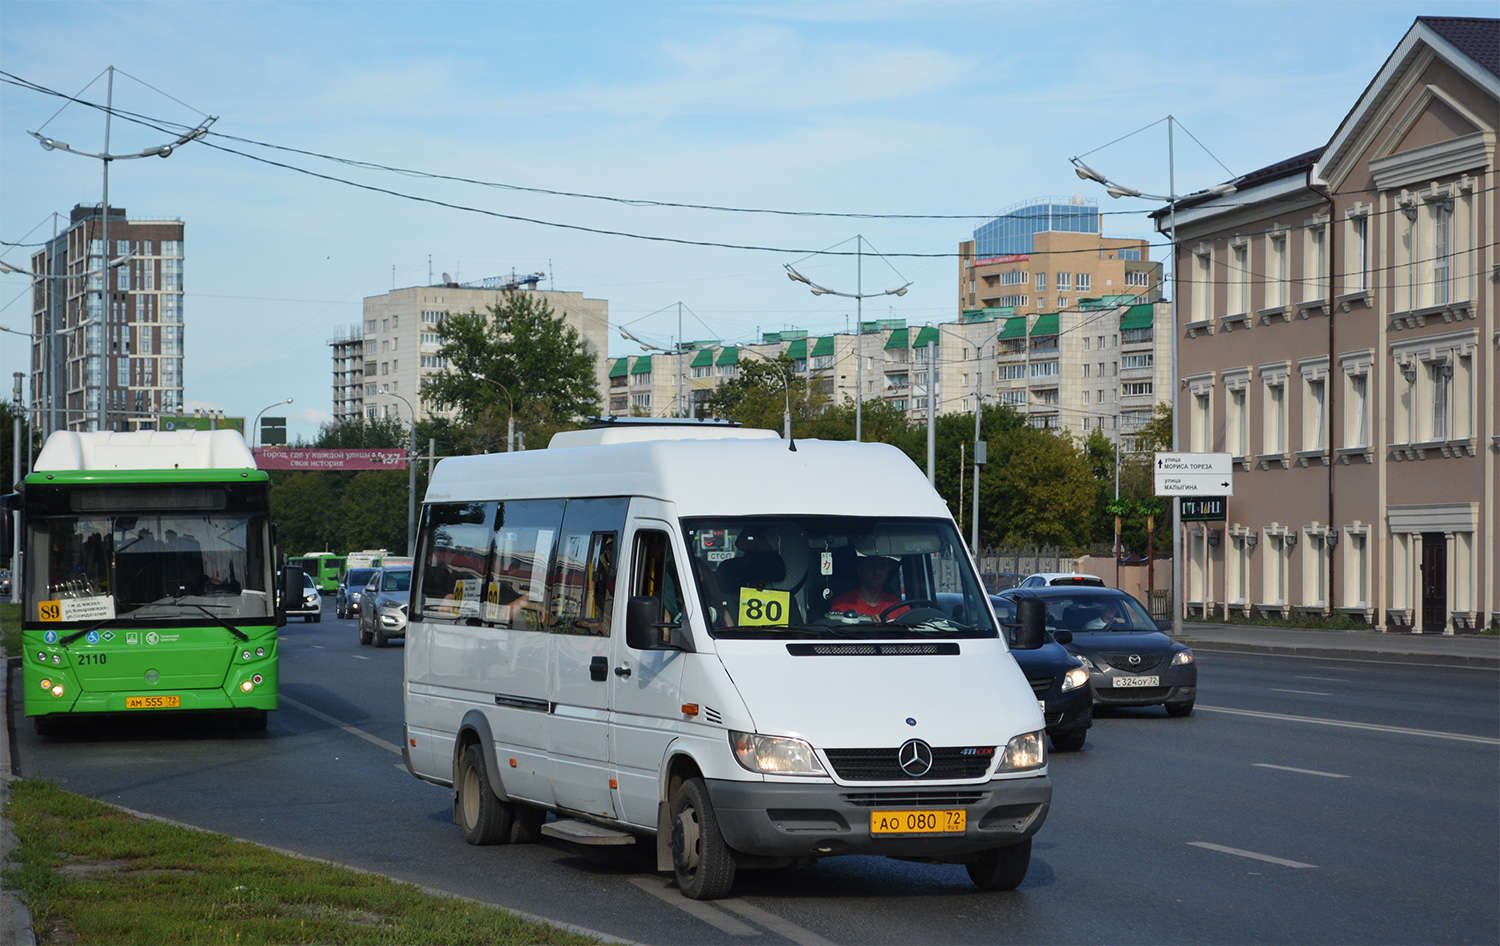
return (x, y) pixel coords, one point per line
(870, 598)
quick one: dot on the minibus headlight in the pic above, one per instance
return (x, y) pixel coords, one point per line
(775, 755)
(1026, 751)
(1075, 678)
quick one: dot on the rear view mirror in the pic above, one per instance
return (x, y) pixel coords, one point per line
(1031, 615)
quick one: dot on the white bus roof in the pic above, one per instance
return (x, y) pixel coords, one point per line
(638, 433)
(732, 476)
(146, 450)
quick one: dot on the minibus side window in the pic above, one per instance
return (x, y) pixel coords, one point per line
(525, 532)
(455, 560)
(582, 580)
(655, 573)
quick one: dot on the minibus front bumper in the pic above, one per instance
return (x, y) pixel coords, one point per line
(780, 819)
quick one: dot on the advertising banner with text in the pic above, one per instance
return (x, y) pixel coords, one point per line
(317, 458)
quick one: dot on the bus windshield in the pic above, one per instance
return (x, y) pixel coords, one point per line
(828, 577)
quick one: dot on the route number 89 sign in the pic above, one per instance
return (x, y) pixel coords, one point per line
(763, 607)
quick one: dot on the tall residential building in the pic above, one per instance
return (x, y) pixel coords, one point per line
(399, 342)
(1338, 338)
(108, 346)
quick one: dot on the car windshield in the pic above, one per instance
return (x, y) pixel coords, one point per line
(358, 577)
(833, 577)
(1096, 612)
(396, 581)
(307, 582)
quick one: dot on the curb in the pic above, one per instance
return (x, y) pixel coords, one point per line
(15, 919)
(1478, 662)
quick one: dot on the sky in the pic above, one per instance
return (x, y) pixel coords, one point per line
(895, 127)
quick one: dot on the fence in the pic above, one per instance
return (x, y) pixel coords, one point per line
(1004, 567)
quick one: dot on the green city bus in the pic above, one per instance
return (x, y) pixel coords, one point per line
(147, 578)
(324, 567)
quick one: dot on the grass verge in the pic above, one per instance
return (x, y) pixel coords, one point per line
(94, 874)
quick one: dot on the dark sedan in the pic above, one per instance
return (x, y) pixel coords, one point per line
(351, 586)
(1131, 661)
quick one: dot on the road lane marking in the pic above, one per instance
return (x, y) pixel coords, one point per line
(713, 916)
(1252, 855)
(359, 657)
(776, 924)
(1322, 679)
(351, 730)
(1301, 692)
(1343, 724)
(1288, 768)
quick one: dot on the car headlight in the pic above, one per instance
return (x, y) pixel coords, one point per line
(778, 755)
(1087, 663)
(1026, 751)
(1182, 657)
(1075, 678)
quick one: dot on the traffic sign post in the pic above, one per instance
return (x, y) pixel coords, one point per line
(1194, 474)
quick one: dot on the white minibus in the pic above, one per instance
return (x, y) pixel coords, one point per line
(724, 643)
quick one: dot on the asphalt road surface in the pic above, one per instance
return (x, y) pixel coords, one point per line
(1306, 800)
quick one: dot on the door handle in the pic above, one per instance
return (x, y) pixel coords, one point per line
(622, 671)
(599, 669)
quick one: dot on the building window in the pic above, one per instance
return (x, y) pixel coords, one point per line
(1237, 423)
(1201, 432)
(1016, 277)
(1201, 293)
(1315, 261)
(1064, 282)
(1041, 282)
(1356, 569)
(1137, 279)
(1082, 282)
(1441, 212)
(1138, 360)
(1273, 410)
(1044, 369)
(1314, 417)
(641, 400)
(1136, 389)
(1357, 411)
(1315, 561)
(1359, 251)
(1239, 279)
(1274, 570)
(1016, 302)
(1276, 270)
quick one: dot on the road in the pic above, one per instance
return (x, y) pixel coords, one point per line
(1322, 800)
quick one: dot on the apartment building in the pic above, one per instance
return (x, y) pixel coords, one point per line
(1338, 337)
(399, 342)
(107, 347)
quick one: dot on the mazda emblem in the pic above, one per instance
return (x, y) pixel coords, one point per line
(1135, 659)
(915, 758)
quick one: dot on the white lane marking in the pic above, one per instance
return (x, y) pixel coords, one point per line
(713, 916)
(1251, 854)
(775, 924)
(1370, 727)
(1300, 692)
(1288, 768)
(359, 657)
(1322, 679)
(351, 730)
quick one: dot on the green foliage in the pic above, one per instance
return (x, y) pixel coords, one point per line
(757, 396)
(373, 511)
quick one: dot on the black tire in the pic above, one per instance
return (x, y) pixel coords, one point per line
(484, 818)
(526, 824)
(256, 723)
(318, 618)
(379, 637)
(703, 863)
(1180, 709)
(1002, 868)
(364, 635)
(1069, 742)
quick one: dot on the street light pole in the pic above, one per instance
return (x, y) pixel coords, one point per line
(255, 425)
(978, 410)
(510, 424)
(411, 479)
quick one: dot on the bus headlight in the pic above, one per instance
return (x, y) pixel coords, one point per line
(776, 755)
(1026, 751)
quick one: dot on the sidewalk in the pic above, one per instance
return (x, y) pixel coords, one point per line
(1463, 650)
(15, 919)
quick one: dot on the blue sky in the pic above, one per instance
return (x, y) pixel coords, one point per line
(933, 109)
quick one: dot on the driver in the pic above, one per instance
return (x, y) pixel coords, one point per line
(869, 598)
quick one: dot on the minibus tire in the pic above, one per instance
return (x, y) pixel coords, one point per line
(703, 864)
(484, 818)
(1002, 868)
(526, 824)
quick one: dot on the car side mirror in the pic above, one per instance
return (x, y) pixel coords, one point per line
(645, 629)
(1163, 624)
(1031, 617)
(1063, 637)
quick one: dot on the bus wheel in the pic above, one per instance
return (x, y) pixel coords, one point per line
(703, 863)
(256, 723)
(484, 818)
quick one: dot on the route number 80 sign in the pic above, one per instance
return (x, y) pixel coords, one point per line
(763, 607)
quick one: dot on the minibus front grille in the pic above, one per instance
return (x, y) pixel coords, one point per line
(913, 799)
(883, 765)
(913, 649)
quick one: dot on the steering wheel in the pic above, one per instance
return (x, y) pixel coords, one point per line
(911, 605)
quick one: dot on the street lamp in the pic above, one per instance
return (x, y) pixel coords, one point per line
(859, 296)
(159, 151)
(786, 380)
(1172, 198)
(978, 396)
(255, 425)
(510, 424)
(411, 479)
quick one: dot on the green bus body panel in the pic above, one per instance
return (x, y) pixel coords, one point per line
(202, 666)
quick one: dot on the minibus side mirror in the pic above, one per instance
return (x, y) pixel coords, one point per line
(645, 629)
(1031, 615)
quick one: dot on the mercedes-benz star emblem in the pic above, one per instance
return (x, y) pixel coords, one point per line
(915, 758)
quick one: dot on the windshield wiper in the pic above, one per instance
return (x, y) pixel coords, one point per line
(135, 615)
(63, 642)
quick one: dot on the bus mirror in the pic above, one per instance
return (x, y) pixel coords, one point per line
(1031, 613)
(646, 630)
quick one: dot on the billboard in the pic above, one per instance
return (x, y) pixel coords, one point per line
(308, 459)
(200, 422)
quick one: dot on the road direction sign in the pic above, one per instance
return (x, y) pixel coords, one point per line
(1194, 474)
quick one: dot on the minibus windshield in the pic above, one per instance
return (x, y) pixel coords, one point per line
(824, 577)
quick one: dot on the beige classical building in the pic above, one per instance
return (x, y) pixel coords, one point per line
(383, 361)
(1338, 338)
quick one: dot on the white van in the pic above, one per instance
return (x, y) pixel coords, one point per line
(723, 642)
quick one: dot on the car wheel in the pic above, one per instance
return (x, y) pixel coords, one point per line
(1180, 709)
(379, 637)
(364, 635)
(256, 723)
(703, 863)
(318, 618)
(484, 818)
(526, 824)
(1069, 742)
(1002, 868)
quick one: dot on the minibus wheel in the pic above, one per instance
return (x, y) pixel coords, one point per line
(484, 818)
(1002, 868)
(703, 863)
(526, 824)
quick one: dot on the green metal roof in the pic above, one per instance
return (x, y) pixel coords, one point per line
(1014, 328)
(704, 358)
(928, 334)
(729, 356)
(797, 349)
(823, 346)
(1138, 316)
(642, 365)
(1045, 324)
(898, 339)
(621, 368)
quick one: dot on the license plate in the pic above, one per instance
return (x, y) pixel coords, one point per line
(943, 821)
(153, 702)
(1137, 681)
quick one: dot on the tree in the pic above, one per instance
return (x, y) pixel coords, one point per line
(757, 396)
(527, 359)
